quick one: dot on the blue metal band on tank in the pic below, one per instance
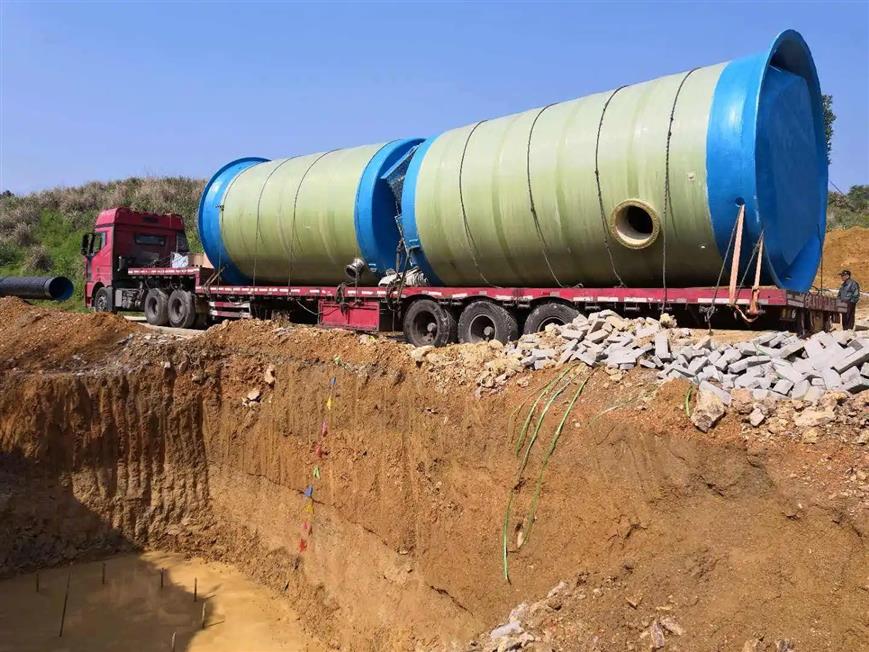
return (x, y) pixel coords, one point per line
(376, 231)
(209, 217)
(408, 214)
(755, 154)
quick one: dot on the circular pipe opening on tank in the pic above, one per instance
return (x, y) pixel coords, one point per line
(634, 224)
(355, 269)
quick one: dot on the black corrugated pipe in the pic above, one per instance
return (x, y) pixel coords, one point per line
(58, 288)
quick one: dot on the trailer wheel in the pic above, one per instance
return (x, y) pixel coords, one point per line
(157, 307)
(482, 321)
(102, 301)
(182, 309)
(551, 312)
(426, 322)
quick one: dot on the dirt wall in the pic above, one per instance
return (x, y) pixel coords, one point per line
(166, 447)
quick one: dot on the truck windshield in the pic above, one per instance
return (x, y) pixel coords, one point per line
(181, 242)
(150, 240)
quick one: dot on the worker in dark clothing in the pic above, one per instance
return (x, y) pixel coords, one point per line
(849, 292)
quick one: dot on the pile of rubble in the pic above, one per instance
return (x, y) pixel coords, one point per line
(772, 365)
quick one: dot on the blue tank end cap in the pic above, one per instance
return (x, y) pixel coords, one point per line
(377, 233)
(209, 217)
(408, 214)
(766, 148)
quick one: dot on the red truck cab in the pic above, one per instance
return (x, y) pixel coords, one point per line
(122, 239)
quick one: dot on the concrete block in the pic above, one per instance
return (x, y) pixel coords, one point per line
(864, 370)
(763, 382)
(856, 359)
(706, 386)
(704, 342)
(585, 356)
(595, 324)
(831, 379)
(803, 366)
(647, 331)
(713, 356)
(859, 344)
(727, 381)
(741, 365)
(596, 336)
(626, 366)
(858, 384)
(542, 354)
(579, 320)
(622, 356)
(791, 348)
(566, 355)
(764, 338)
(850, 374)
(573, 333)
(682, 371)
(787, 371)
(749, 382)
(647, 363)
(728, 357)
(799, 389)
(697, 364)
(760, 394)
(814, 394)
(777, 341)
(783, 386)
(818, 382)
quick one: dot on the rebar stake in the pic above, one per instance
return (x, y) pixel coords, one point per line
(203, 615)
(173, 641)
(65, 601)
(103, 577)
(37, 582)
(161, 578)
(195, 588)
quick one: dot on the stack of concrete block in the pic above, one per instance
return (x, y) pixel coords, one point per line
(772, 365)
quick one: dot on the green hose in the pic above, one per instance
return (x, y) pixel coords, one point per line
(524, 432)
(552, 444)
(533, 439)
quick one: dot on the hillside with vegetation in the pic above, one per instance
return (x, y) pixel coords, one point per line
(40, 233)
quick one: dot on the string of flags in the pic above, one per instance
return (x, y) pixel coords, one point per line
(320, 452)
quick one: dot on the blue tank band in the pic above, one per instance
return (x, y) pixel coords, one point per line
(759, 152)
(209, 218)
(408, 214)
(376, 230)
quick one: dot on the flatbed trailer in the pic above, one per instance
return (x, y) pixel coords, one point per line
(439, 315)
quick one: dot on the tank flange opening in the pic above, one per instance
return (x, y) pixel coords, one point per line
(635, 224)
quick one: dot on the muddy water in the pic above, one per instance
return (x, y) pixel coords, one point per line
(132, 612)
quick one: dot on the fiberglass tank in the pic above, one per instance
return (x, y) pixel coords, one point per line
(574, 192)
(303, 220)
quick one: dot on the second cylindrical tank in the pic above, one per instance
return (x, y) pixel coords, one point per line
(638, 186)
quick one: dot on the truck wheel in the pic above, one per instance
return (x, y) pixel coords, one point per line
(482, 321)
(551, 312)
(182, 309)
(426, 322)
(157, 307)
(103, 300)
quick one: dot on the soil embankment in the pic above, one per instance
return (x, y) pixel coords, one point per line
(371, 494)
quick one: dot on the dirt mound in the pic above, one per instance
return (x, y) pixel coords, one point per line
(845, 249)
(44, 338)
(374, 496)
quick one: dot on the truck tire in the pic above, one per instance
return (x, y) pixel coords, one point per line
(482, 321)
(102, 301)
(427, 323)
(182, 309)
(157, 307)
(551, 312)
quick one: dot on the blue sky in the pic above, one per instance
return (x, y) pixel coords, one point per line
(104, 91)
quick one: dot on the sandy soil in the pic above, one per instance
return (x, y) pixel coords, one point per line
(132, 612)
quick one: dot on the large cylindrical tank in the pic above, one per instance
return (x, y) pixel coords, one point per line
(302, 220)
(576, 192)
